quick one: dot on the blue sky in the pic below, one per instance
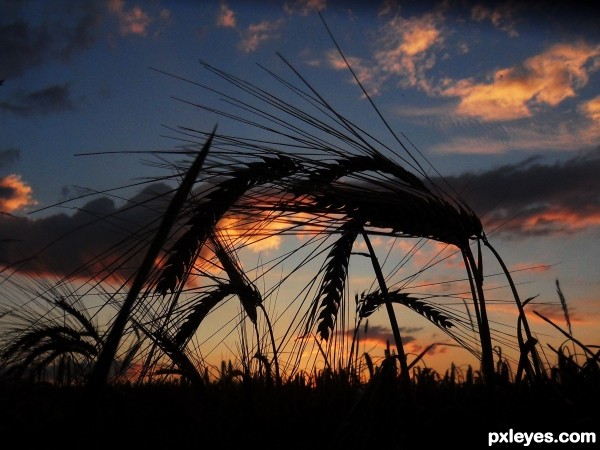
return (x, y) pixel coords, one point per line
(501, 97)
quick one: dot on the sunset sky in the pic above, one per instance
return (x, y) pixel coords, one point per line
(503, 98)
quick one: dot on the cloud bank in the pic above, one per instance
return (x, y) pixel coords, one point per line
(518, 200)
(534, 199)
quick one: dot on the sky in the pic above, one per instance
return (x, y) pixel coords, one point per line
(502, 98)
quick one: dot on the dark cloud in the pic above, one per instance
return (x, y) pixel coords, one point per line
(99, 238)
(383, 335)
(22, 48)
(6, 192)
(9, 156)
(73, 192)
(538, 198)
(533, 198)
(66, 29)
(49, 100)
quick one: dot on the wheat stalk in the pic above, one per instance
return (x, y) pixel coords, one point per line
(563, 304)
(109, 349)
(81, 318)
(199, 310)
(249, 296)
(331, 290)
(370, 302)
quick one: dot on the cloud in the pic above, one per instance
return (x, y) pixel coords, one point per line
(567, 132)
(406, 45)
(304, 7)
(436, 348)
(591, 109)
(368, 75)
(525, 199)
(36, 33)
(52, 99)
(578, 315)
(134, 21)
(14, 194)
(21, 48)
(380, 335)
(33, 34)
(532, 198)
(226, 17)
(513, 93)
(502, 16)
(58, 37)
(258, 33)
(405, 53)
(261, 237)
(60, 244)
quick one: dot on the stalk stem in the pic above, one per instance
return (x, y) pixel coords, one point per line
(404, 375)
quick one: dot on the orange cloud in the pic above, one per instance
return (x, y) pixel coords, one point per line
(14, 194)
(406, 44)
(258, 33)
(258, 235)
(368, 75)
(135, 21)
(547, 78)
(562, 219)
(418, 38)
(226, 17)
(405, 52)
(554, 313)
(591, 109)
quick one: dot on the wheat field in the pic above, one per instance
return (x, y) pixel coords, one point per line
(129, 351)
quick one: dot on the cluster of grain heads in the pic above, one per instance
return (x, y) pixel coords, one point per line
(68, 351)
(315, 170)
(328, 173)
(59, 342)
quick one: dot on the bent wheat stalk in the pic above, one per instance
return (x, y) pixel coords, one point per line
(100, 372)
